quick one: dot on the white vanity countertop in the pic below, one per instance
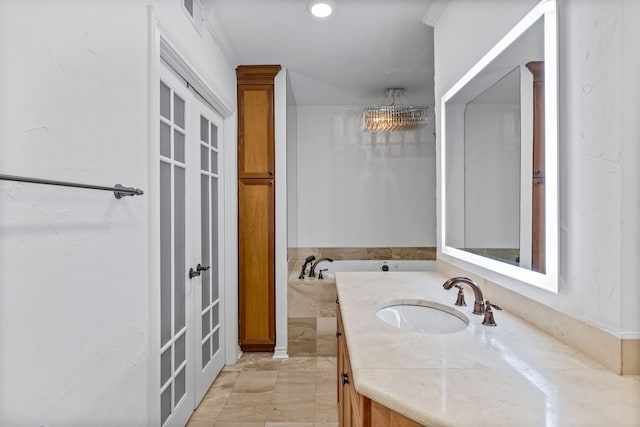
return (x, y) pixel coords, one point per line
(509, 375)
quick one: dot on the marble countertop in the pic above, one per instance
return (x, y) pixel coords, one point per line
(509, 375)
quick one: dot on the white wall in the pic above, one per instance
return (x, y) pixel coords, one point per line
(357, 189)
(74, 264)
(292, 168)
(598, 206)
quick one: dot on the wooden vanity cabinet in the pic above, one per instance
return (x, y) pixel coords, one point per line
(256, 207)
(381, 416)
(354, 409)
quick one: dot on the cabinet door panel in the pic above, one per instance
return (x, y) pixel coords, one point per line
(256, 264)
(255, 131)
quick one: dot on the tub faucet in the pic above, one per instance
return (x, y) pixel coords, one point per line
(478, 305)
(307, 261)
(312, 272)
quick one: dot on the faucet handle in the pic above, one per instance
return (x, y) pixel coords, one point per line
(496, 306)
(460, 302)
(488, 315)
(320, 276)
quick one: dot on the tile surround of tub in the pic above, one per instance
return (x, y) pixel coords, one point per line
(617, 355)
(302, 336)
(381, 253)
(312, 317)
(312, 302)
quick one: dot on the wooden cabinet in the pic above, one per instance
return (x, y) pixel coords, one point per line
(354, 409)
(256, 207)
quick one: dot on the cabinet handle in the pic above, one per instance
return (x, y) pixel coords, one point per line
(345, 378)
(338, 333)
(270, 173)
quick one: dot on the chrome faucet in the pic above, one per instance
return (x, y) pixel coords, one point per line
(312, 272)
(478, 305)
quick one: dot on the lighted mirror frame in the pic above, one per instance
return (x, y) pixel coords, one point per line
(546, 9)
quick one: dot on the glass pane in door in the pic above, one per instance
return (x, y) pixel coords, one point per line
(179, 249)
(205, 253)
(165, 404)
(206, 352)
(165, 252)
(214, 240)
(165, 101)
(180, 351)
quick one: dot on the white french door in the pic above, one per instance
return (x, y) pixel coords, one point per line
(191, 353)
(209, 308)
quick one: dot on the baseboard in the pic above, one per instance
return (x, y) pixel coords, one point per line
(280, 353)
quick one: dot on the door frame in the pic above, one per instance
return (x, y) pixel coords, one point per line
(163, 46)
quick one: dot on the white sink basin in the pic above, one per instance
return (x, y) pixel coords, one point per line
(422, 316)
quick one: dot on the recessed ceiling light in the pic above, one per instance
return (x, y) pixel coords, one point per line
(321, 8)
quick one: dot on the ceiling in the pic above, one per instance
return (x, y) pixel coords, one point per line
(349, 58)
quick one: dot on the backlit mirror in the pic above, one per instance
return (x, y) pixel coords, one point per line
(499, 156)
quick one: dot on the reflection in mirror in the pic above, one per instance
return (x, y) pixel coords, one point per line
(492, 172)
(499, 188)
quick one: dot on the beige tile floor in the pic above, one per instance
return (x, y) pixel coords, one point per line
(266, 392)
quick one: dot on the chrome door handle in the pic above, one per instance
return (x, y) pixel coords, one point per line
(202, 267)
(199, 269)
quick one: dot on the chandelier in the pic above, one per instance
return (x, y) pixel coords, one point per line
(392, 116)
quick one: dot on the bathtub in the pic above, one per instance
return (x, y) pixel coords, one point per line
(377, 265)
